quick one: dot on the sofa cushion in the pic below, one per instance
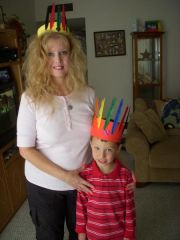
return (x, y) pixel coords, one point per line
(140, 105)
(166, 154)
(159, 106)
(150, 124)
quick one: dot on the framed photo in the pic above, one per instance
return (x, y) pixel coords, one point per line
(110, 43)
(153, 26)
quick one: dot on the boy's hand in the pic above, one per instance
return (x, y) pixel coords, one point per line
(82, 236)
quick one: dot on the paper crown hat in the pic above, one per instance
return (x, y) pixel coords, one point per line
(55, 25)
(107, 129)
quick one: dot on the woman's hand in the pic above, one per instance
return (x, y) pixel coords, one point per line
(132, 186)
(45, 165)
(73, 178)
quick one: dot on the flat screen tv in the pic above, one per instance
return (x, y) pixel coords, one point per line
(8, 106)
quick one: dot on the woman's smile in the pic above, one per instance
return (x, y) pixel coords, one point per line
(58, 58)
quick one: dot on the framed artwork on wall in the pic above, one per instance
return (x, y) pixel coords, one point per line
(153, 26)
(110, 43)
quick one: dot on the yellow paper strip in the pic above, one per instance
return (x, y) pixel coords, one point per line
(101, 112)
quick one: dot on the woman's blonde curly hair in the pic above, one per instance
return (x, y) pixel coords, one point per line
(39, 85)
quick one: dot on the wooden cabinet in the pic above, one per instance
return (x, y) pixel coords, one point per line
(12, 182)
(147, 65)
(14, 169)
(12, 179)
(6, 210)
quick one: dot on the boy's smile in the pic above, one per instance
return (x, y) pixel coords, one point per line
(104, 153)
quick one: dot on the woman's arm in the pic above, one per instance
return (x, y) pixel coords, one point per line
(43, 163)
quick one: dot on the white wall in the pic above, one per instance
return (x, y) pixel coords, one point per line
(25, 10)
(112, 76)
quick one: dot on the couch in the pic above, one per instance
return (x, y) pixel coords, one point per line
(155, 150)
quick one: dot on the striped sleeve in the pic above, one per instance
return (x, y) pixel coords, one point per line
(81, 212)
(130, 217)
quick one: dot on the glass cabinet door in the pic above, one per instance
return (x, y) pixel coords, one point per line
(147, 65)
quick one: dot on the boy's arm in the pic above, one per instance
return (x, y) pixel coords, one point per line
(130, 213)
(81, 214)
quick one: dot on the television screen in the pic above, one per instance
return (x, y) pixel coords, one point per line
(8, 107)
(7, 110)
(5, 74)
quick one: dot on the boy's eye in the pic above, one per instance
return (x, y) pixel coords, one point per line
(109, 150)
(96, 148)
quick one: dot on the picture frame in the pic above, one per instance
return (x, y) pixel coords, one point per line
(110, 43)
(153, 26)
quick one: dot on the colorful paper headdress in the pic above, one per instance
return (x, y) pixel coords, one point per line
(56, 25)
(108, 129)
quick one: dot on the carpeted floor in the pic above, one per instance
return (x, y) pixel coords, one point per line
(157, 209)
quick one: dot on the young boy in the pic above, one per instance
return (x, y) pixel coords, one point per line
(108, 213)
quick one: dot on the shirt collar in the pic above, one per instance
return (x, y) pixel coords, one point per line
(97, 172)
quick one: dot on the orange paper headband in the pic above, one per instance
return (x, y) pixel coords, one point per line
(108, 129)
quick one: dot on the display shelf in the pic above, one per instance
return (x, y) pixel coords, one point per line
(147, 64)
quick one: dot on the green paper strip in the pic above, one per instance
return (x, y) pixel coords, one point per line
(58, 17)
(109, 115)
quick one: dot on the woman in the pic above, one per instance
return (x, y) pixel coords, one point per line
(53, 131)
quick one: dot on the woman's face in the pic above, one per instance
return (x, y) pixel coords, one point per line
(58, 57)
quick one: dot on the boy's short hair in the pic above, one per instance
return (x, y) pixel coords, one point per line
(102, 140)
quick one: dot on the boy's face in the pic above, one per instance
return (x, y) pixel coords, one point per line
(104, 153)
